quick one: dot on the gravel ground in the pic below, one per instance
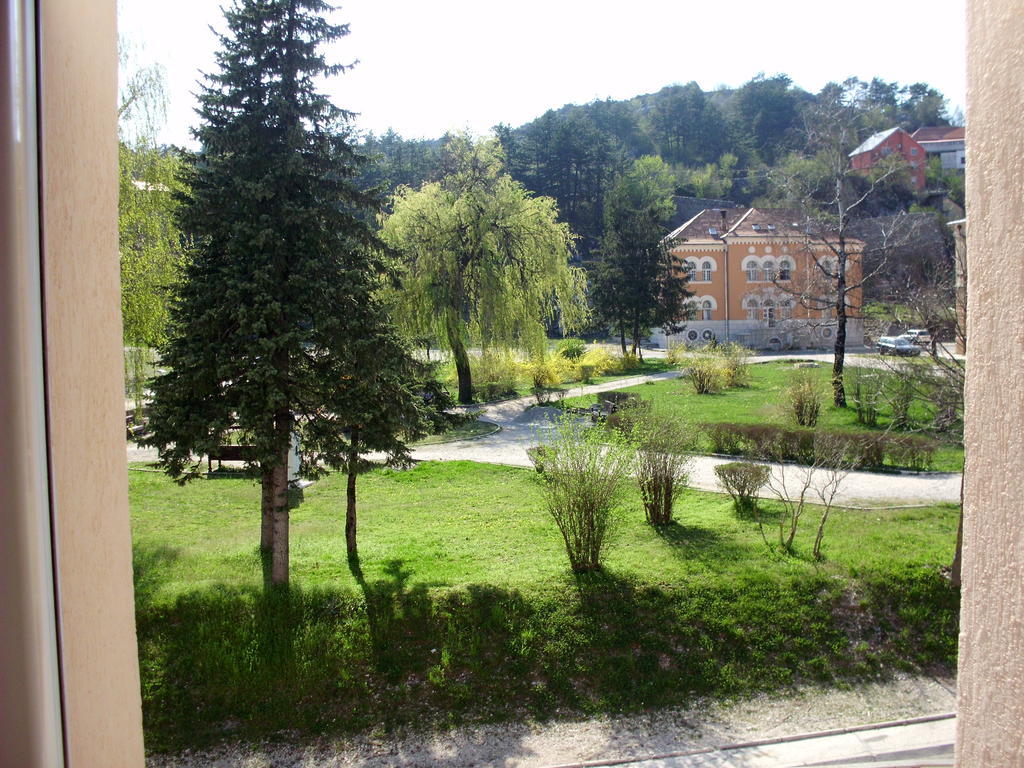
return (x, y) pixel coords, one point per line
(533, 745)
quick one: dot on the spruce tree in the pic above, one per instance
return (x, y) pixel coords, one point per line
(278, 328)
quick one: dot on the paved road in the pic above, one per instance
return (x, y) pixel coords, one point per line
(523, 426)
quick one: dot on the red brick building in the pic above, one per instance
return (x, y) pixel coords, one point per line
(887, 143)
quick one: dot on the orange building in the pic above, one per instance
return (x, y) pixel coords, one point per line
(757, 278)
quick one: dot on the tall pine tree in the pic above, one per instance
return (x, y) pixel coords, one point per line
(278, 328)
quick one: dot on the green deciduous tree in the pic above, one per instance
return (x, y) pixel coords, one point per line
(486, 261)
(635, 284)
(279, 328)
(150, 243)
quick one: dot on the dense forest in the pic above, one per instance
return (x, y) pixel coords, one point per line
(725, 143)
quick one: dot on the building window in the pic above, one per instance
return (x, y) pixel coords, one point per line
(913, 151)
(705, 311)
(705, 272)
(785, 270)
(751, 306)
(768, 313)
(752, 272)
(769, 271)
(708, 334)
(786, 309)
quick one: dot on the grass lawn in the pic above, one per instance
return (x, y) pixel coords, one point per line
(762, 401)
(524, 388)
(463, 607)
(464, 431)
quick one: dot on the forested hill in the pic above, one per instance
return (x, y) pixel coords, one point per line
(719, 143)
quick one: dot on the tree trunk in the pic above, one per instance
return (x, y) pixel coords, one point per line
(462, 368)
(266, 509)
(350, 507)
(622, 336)
(838, 390)
(279, 559)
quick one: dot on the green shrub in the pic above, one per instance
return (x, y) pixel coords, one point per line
(867, 395)
(629, 362)
(901, 389)
(704, 372)
(582, 481)
(663, 443)
(600, 360)
(743, 480)
(545, 371)
(496, 373)
(735, 364)
(804, 399)
(572, 349)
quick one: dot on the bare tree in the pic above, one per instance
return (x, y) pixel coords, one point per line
(830, 196)
(796, 485)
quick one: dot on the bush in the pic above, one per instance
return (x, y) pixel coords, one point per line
(629, 362)
(743, 480)
(600, 360)
(676, 353)
(663, 444)
(867, 394)
(496, 373)
(571, 349)
(546, 371)
(582, 481)
(704, 372)
(735, 364)
(901, 390)
(804, 399)
(804, 446)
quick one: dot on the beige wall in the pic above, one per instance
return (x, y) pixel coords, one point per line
(84, 364)
(991, 680)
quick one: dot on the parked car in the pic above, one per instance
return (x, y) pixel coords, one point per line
(897, 345)
(919, 336)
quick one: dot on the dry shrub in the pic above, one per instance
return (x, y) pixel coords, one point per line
(664, 442)
(582, 474)
(735, 364)
(704, 372)
(804, 398)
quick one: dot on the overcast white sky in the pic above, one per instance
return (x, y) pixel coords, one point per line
(431, 65)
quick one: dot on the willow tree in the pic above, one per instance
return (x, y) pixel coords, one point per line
(486, 261)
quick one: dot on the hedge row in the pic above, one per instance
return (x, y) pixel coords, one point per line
(863, 450)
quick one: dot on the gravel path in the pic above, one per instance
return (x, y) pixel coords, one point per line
(533, 745)
(523, 426)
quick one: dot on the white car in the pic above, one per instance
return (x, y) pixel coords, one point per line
(919, 336)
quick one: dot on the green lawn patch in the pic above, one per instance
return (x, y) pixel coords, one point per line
(764, 401)
(463, 607)
(465, 431)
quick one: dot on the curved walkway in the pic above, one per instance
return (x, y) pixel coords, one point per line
(523, 427)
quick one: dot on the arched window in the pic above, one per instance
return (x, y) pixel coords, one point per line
(786, 309)
(785, 270)
(752, 272)
(769, 271)
(751, 306)
(705, 271)
(705, 310)
(768, 313)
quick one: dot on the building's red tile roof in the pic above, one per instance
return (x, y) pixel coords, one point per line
(938, 133)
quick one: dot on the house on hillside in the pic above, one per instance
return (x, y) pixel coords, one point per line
(755, 281)
(887, 143)
(946, 141)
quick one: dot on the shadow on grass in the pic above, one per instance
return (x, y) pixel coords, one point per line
(247, 663)
(148, 562)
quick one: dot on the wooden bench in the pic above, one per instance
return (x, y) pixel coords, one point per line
(229, 453)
